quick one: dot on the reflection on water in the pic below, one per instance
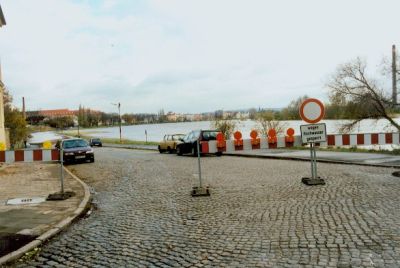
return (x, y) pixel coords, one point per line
(155, 132)
(40, 137)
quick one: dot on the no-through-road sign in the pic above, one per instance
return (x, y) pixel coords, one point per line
(312, 111)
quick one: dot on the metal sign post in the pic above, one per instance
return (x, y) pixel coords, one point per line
(312, 134)
(62, 195)
(199, 191)
(198, 160)
(62, 169)
(312, 111)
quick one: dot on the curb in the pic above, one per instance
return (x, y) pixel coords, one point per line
(55, 230)
(129, 147)
(308, 160)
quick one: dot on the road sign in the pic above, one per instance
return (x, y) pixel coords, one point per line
(313, 133)
(312, 111)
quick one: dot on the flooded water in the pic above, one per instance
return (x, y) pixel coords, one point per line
(155, 132)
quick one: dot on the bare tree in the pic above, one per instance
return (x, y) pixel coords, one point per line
(363, 97)
(266, 121)
(227, 127)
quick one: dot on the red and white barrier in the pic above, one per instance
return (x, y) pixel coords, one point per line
(283, 142)
(35, 155)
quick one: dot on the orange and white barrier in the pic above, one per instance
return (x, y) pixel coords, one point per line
(272, 141)
(35, 155)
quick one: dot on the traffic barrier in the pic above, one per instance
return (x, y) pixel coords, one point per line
(272, 141)
(35, 155)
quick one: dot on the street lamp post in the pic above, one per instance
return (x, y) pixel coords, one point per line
(119, 116)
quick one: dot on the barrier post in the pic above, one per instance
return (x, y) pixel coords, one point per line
(199, 191)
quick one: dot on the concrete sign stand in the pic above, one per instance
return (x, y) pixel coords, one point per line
(200, 190)
(312, 111)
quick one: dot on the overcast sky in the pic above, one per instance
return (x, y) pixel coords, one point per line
(186, 55)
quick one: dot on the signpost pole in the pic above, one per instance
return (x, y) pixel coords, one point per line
(312, 160)
(315, 163)
(198, 160)
(199, 191)
(62, 169)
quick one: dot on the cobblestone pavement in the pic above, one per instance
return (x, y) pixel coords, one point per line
(258, 215)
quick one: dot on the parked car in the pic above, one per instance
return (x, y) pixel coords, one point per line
(75, 150)
(189, 142)
(95, 142)
(168, 144)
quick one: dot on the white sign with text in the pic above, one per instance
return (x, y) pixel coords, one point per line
(313, 133)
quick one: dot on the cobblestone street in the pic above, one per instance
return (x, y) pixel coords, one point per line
(259, 214)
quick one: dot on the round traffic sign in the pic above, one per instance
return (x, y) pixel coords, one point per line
(312, 110)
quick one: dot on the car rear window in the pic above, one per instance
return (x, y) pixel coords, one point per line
(210, 135)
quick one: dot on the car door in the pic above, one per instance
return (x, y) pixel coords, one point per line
(170, 142)
(163, 144)
(187, 145)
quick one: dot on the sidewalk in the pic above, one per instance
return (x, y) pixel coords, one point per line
(35, 223)
(367, 159)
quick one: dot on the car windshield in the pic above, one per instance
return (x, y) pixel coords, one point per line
(74, 143)
(96, 140)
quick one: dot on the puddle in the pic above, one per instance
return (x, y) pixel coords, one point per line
(11, 242)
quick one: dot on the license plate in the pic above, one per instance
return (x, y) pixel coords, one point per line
(79, 157)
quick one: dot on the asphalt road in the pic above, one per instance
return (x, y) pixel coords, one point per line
(259, 214)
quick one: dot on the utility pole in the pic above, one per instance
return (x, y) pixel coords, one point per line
(394, 72)
(23, 108)
(119, 116)
(120, 130)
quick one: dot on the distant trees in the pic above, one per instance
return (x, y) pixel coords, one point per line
(291, 112)
(129, 119)
(60, 122)
(88, 117)
(15, 122)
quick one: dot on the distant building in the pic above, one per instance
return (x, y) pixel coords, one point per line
(172, 117)
(56, 113)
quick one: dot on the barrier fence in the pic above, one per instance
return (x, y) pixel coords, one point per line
(272, 141)
(35, 155)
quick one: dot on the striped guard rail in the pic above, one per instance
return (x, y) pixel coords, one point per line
(281, 142)
(34, 155)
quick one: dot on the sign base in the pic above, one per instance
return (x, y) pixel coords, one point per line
(60, 196)
(311, 181)
(200, 191)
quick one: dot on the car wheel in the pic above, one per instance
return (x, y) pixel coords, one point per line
(160, 150)
(218, 153)
(178, 150)
(91, 160)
